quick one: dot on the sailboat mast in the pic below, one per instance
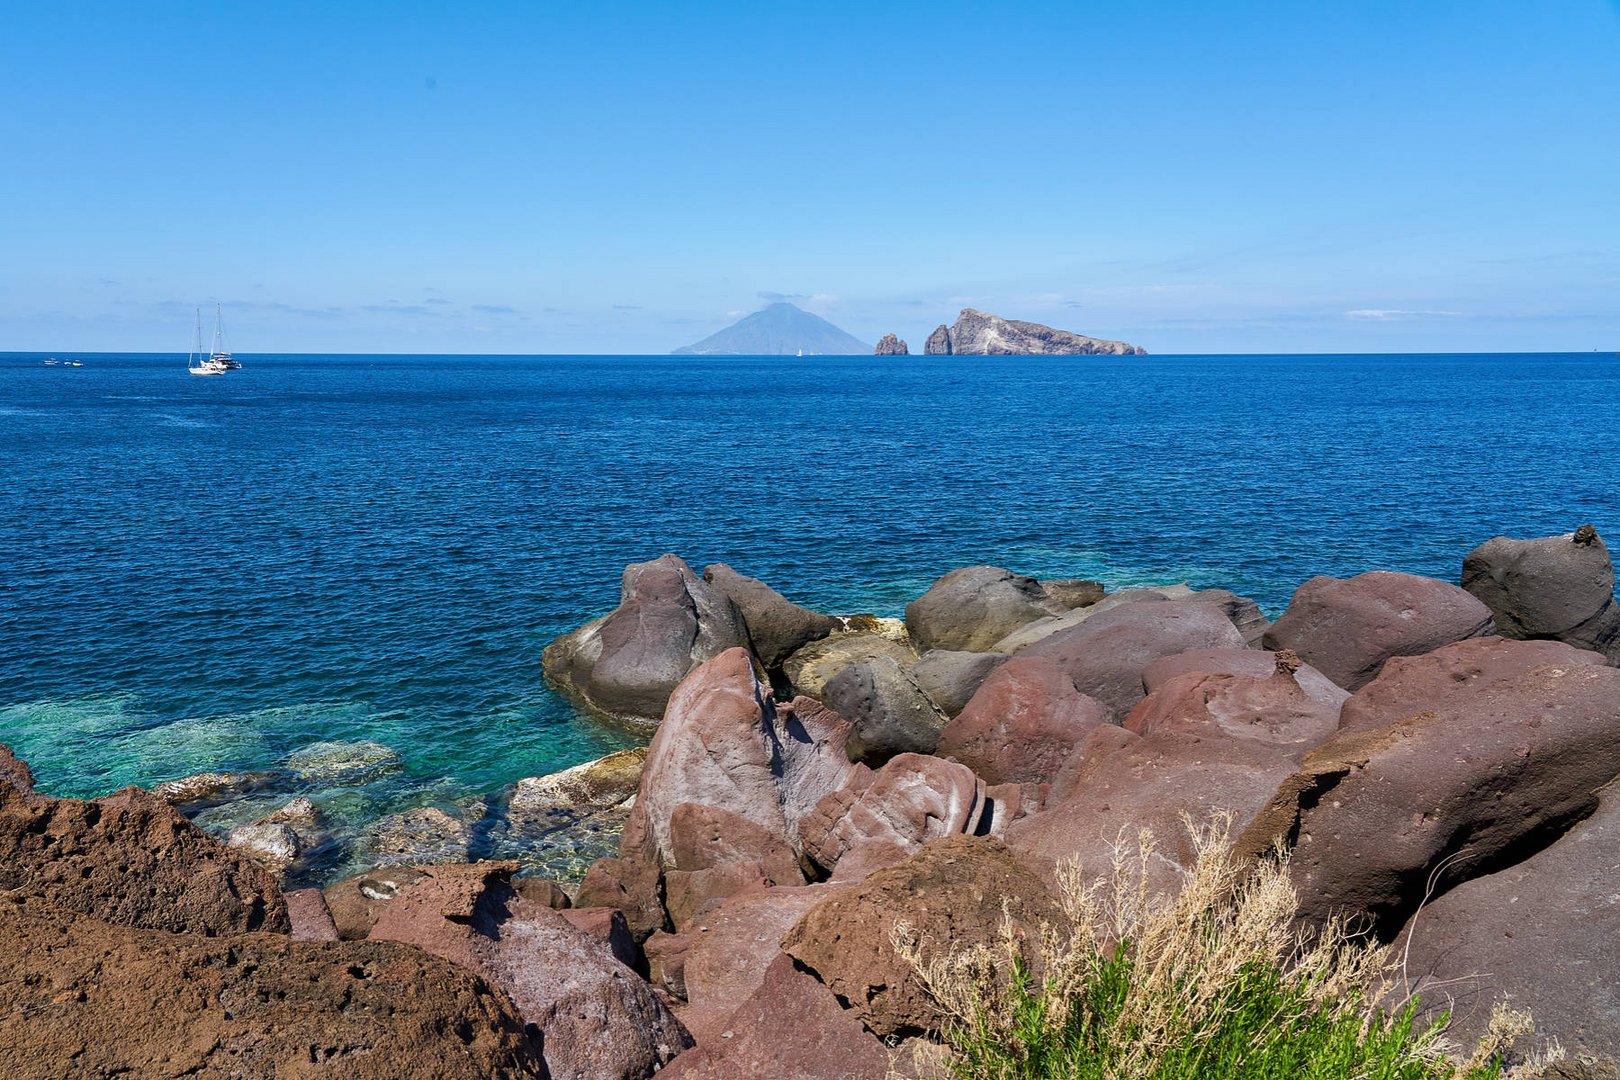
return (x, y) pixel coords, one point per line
(196, 341)
(219, 329)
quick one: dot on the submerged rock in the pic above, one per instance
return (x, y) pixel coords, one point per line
(347, 762)
(595, 785)
(424, 834)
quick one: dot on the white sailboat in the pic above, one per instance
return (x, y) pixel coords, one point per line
(201, 363)
(220, 355)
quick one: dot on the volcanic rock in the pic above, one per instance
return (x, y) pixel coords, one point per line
(423, 834)
(1256, 663)
(1275, 710)
(878, 818)
(973, 608)
(1023, 723)
(80, 997)
(890, 345)
(354, 903)
(777, 626)
(951, 678)
(311, 921)
(1559, 587)
(1491, 770)
(887, 709)
(809, 669)
(1348, 627)
(1104, 655)
(595, 785)
(1044, 628)
(939, 342)
(632, 886)
(599, 1021)
(129, 859)
(955, 893)
(977, 333)
(1074, 592)
(271, 844)
(1544, 934)
(626, 664)
(344, 762)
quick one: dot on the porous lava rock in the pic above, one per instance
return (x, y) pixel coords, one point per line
(629, 885)
(1559, 587)
(718, 854)
(83, 998)
(1104, 655)
(887, 710)
(1347, 627)
(776, 625)
(973, 608)
(355, 902)
(597, 1018)
(1023, 723)
(955, 893)
(129, 859)
(1543, 934)
(626, 664)
(1488, 772)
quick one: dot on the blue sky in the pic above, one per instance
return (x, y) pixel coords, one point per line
(600, 177)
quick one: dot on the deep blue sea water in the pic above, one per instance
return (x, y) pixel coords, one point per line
(207, 574)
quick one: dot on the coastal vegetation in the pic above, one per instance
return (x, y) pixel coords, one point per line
(1220, 981)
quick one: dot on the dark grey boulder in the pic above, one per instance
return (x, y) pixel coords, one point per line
(1245, 614)
(889, 712)
(1557, 587)
(973, 608)
(626, 664)
(776, 624)
(1544, 934)
(950, 678)
(1347, 627)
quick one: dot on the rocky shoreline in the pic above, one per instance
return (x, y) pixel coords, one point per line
(1437, 759)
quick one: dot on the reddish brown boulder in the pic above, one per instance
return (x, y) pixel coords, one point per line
(1559, 587)
(130, 859)
(1023, 723)
(311, 921)
(1489, 771)
(599, 1020)
(1348, 627)
(689, 893)
(721, 958)
(1408, 684)
(626, 664)
(953, 893)
(354, 903)
(1544, 934)
(725, 743)
(627, 885)
(82, 998)
(973, 608)
(1104, 656)
(1274, 710)
(880, 817)
(1256, 663)
(790, 1026)
(606, 926)
(718, 854)
(1119, 783)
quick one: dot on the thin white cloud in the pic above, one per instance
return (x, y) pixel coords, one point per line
(1387, 314)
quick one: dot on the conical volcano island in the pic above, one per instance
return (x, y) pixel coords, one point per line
(778, 330)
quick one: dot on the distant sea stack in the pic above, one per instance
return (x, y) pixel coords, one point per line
(978, 333)
(778, 330)
(892, 346)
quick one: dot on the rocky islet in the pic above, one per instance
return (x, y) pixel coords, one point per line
(1431, 754)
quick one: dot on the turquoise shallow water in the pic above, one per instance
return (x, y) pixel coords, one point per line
(207, 574)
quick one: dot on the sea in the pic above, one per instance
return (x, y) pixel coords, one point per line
(213, 574)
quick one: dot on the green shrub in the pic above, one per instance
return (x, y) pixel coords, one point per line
(1217, 982)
